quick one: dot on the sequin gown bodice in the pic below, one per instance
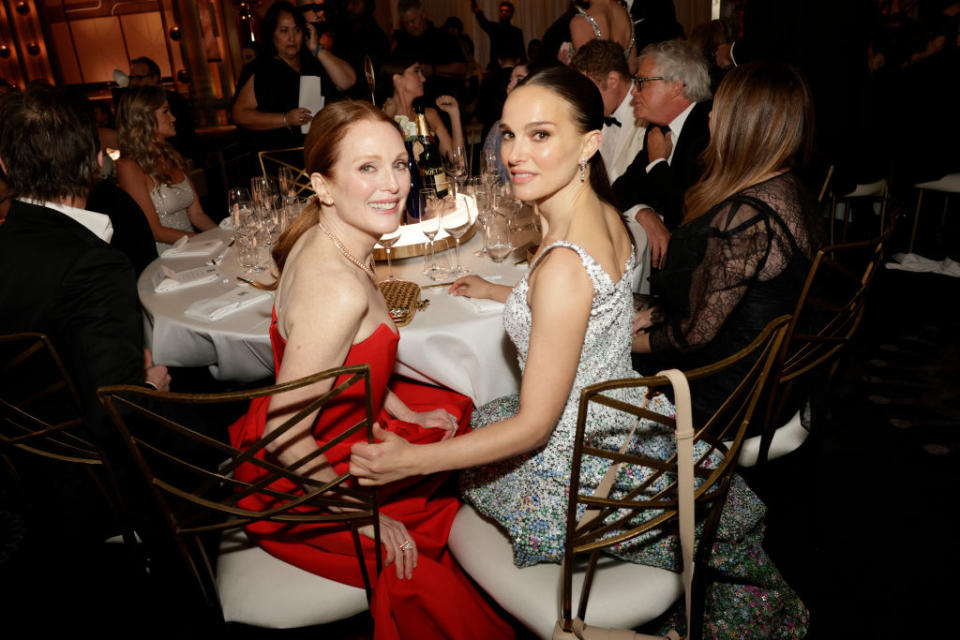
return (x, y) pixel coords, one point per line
(171, 202)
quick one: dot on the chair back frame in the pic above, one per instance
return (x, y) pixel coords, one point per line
(31, 358)
(802, 353)
(123, 403)
(727, 425)
(275, 157)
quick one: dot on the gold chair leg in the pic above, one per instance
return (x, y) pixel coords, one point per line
(916, 219)
(883, 212)
(833, 216)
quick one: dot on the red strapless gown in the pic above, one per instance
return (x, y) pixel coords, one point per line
(439, 601)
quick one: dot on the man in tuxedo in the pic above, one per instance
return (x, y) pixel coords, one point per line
(58, 274)
(671, 91)
(602, 61)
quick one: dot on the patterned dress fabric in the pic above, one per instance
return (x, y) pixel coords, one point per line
(171, 202)
(527, 495)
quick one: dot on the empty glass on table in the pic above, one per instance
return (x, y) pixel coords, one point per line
(387, 241)
(497, 238)
(457, 218)
(431, 212)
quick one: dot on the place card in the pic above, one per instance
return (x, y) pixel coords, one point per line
(191, 247)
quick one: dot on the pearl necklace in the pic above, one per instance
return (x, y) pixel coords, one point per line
(346, 254)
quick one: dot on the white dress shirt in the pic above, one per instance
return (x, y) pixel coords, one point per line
(620, 145)
(98, 223)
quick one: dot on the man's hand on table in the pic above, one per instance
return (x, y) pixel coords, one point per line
(155, 375)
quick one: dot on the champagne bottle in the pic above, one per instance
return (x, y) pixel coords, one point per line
(427, 154)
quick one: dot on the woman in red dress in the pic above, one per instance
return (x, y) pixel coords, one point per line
(329, 312)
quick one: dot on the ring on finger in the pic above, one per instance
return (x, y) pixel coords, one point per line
(406, 546)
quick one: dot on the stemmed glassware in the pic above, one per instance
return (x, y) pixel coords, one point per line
(456, 221)
(430, 215)
(497, 238)
(491, 169)
(455, 165)
(476, 189)
(387, 241)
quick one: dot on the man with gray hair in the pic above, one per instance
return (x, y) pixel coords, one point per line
(671, 91)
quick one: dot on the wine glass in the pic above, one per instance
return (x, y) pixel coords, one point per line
(430, 215)
(270, 214)
(496, 236)
(456, 220)
(287, 184)
(476, 189)
(249, 235)
(262, 188)
(387, 241)
(237, 198)
(491, 166)
(455, 164)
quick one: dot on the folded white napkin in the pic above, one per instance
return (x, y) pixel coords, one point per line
(916, 263)
(230, 302)
(169, 280)
(482, 305)
(186, 247)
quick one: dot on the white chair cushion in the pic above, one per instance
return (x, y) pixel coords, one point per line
(624, 595)
(949, 183)
(786, 439)
(864, 190)
(257, 589)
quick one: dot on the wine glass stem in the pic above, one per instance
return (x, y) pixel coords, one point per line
(457, 242)
(389, 266)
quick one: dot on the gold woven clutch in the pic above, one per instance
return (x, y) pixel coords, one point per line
(403, 300)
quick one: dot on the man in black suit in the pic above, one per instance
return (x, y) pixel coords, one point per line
(58, 274)
(671, 91)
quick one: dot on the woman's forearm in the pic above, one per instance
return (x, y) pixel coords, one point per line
(339, 70)
(256, 120)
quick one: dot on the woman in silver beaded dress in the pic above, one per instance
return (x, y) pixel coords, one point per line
(570, 319)
(152, 171)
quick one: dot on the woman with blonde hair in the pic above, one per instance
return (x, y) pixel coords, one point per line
(329, 313)
(742, 252)
(152, 171)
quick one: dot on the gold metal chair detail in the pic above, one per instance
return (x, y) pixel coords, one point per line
(199, 498)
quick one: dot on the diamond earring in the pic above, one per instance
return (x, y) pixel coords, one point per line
(583, 171)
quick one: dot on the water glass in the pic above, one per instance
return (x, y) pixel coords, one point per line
(496, 236)
(457, 219)
(249, 236)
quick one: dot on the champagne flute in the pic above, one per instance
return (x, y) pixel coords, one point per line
(262, 188)
(491, 166)
(387, 241)
(430, 214)
(456, 220)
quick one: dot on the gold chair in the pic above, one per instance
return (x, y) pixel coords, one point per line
(623, 595)
(825, 320)
(197, 499)
(292, 158)
(40, 414)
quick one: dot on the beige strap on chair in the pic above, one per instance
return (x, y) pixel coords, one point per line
(685, 507)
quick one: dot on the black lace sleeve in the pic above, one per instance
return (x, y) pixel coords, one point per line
(736, 252)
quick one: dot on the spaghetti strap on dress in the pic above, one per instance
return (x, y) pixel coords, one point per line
(596, 27)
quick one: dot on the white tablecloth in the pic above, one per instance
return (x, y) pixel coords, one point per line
(450, 343)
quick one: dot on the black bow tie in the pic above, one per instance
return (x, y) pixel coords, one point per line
(664, 129)
(611, 122)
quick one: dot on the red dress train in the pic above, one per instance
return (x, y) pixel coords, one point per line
(439, 601)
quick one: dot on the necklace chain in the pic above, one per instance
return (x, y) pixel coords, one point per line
(346, 254)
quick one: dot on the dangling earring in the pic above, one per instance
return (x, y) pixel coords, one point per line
(583, 171)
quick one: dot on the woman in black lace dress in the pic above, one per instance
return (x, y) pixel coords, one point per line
(740, 256)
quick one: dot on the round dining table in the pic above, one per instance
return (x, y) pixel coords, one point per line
(453, 342)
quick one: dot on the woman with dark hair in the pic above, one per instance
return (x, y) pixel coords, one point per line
(267, 103)
(400, 82)
(742, 252)
(570, 320)
(330, 313)
(151, 170)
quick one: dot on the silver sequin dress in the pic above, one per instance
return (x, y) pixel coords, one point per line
(171, 202)
(527, 495)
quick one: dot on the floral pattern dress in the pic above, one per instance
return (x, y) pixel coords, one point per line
(527, 495)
